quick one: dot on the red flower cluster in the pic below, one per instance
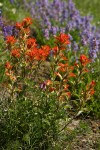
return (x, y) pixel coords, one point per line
(63, 39)
(39, 53)
(24, 24)
(18, 25)
(71, 75)
(90, 87)
(92, 83)
(31, 43)
(8, 65)
(15, 53)
(10, 39)
(84, 60)
(55, 50)
(44, 51)
(32, 53)
(9, 72)
(63, 67)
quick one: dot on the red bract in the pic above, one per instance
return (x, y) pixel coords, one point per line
(44, 52)
(8, 65)
(63, 57)
(55, 50)
(26, 22)
(90, 87)
(15, 53)
(18, 25)
(48, 82)
(71, 68)
(92, 83)
(39, 54)
(68, 94)
(86, 70)
(51, 89)
(71, 75)
(84, 60)
(92, 92)
(63, 39)
(10, 39)
(27, 31)
(32, 53)
(63, 67)
(31, 43)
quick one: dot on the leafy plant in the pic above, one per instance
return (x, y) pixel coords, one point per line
(38, 109)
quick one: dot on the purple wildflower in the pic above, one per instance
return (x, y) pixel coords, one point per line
(75, 46)
(46, 33)
(11, 1)
(43, 86)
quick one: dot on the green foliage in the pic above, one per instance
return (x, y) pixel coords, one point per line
(94, 105)
(30, 124)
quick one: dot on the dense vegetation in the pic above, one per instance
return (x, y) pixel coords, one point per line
(50, 74)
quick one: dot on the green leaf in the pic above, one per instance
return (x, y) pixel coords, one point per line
(26, 138)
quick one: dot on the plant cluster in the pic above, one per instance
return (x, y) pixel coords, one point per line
(37, 110)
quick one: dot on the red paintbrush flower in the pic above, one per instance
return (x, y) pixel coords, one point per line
(15, 53)
(84, 60)
(63, 39)
(26, 22)
(8, 65)
(31, 43)
(10, 39)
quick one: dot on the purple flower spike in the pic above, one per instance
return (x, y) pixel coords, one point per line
(46, 33)
(75, 46)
